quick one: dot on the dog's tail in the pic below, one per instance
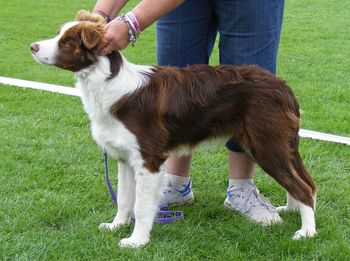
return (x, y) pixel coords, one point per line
(268, 131)
(280, 159)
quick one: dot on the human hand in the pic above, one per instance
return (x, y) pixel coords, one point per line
(116, 37)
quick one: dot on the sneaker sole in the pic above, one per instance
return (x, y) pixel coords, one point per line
(188, 202)
(252, 220)
(236, 211)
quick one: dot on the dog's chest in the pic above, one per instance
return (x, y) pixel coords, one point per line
(109, 133)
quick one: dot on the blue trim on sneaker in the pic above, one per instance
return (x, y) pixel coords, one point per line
(186, 190)
(230, 194)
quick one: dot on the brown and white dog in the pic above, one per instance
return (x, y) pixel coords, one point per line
(142, 114)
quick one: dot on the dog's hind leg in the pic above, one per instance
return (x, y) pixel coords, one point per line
(291, 205)
(307, 213)
(275, 159)
(126, 197)
(303, 173)
(301, 170)
(308, 228)
(147, 192)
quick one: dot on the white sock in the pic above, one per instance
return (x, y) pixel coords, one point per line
(175, 181)
(238, 183)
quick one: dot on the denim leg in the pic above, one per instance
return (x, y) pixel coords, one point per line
(186, 35)
(249, 34)
(249, 31)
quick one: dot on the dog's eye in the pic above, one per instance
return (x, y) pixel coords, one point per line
(66, 43)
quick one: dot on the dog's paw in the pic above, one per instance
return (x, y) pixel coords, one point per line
(110, 226)
(133, 242)
(271, 220)
(284, 209)
(304, 233)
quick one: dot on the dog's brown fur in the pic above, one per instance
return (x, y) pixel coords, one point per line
(186, 106)
(190, 105)
(81, 45)
(154, 111)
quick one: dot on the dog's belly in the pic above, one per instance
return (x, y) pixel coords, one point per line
(186, 149)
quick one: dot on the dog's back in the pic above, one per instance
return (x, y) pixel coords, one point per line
(187, 106)
(198, 102)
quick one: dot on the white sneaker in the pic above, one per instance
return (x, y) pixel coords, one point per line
(249, 202)
(175, 197)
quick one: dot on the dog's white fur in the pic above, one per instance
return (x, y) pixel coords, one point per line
(308, 228)
(47, 55)
(137, 187)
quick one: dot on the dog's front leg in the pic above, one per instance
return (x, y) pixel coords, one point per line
(147, 191)
(126, 197)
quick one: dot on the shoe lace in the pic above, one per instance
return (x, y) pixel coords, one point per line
(249, 197)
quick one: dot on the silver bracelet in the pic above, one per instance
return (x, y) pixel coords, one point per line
(132, 31)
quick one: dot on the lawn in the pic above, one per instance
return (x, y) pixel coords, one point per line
(52, 178)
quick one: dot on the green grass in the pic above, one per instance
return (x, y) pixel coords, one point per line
(52, 188)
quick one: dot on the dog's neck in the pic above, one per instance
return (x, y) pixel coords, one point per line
(101, 87)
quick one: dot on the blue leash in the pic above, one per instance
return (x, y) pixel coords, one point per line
(111, 192)
(164, 215)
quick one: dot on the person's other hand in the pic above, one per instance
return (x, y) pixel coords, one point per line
(116, 37)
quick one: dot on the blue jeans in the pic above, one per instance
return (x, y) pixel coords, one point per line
(249, 34)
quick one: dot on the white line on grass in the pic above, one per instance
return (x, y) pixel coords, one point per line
(40, 86)
(74, 92)
(324, 136)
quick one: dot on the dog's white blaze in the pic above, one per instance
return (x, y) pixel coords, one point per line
(48, 48)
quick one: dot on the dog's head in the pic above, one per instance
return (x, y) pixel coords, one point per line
(76, 46)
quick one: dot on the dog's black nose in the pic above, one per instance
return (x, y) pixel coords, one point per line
(34, 47)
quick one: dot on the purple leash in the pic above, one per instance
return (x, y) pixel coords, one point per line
(164, 215)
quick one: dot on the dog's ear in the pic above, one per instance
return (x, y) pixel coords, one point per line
(84, 15)
(91, 34)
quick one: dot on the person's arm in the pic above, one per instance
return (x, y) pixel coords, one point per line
(146, 12)
(110, 7)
